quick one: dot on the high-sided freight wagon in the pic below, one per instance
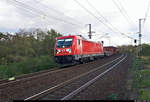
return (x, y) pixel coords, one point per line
(110, 50)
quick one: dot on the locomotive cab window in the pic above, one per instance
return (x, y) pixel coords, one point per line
(64, 43)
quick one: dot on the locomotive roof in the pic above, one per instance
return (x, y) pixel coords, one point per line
(109, 47)
(71, 36)
(61, 37)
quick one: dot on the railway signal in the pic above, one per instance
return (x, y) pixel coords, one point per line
(135, 41)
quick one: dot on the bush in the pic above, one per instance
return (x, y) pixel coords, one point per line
(145, 50)
(29, 65)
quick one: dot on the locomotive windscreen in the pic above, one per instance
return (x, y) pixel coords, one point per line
(64, 43)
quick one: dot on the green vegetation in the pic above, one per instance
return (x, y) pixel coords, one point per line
(145, 94)
(113, 97)
(27, 66)
(143, 78)
(26, 51)
(145, 50)
(141, 73)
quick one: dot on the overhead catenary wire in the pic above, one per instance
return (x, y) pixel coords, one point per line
(31, 13)
(49, 22)
(146, 13)
(53, 17)
(100, 14)
(125, 12)
(41, 13)
(92, 14)
(58, 12)
(35, 11)
(125, 16)
(29, 10)
(128, 19)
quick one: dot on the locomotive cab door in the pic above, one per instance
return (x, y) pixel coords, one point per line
(79, 46)
(78, 50)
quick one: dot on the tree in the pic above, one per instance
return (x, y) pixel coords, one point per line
(145, 50)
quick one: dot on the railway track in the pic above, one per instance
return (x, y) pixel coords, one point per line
(70, 88)
(29, 85)
(31, 76)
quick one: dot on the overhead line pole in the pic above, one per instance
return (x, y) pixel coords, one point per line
(90, 33)
(140, 36)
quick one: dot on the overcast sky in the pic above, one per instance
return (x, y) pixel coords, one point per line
(111, 17)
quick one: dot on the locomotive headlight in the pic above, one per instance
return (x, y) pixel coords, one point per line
(57, 51)
(69, 50)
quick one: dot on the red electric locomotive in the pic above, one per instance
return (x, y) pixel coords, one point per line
(72, 49)
(110, 50)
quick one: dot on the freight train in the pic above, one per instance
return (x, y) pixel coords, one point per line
(110, 50)
(75, 49)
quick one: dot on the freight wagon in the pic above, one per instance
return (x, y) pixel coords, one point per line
(110, 50)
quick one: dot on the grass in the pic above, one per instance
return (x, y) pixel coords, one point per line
(144, 94)
(141, 80)
(29, 65)
(146, 60)
(113, 97)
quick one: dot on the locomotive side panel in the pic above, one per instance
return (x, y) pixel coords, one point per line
(91, 47)
(77, 46)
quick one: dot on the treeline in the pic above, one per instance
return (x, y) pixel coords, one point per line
(134, 49)
(25, 44)
(145, 50)
(26, 51)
